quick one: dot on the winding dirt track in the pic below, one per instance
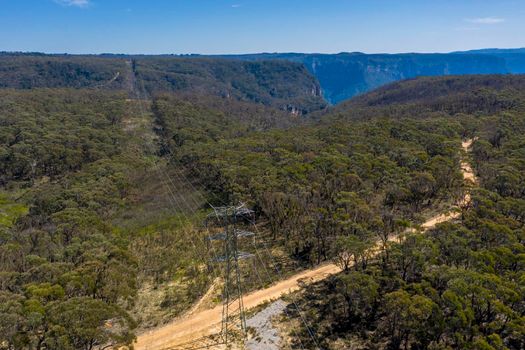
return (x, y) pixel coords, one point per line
(196, 325)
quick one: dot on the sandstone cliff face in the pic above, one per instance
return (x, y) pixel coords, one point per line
(345, 75)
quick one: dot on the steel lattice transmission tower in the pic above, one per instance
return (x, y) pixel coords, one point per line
(228, 219)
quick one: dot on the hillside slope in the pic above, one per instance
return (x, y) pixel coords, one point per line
(437, 96)
(437, 291)
(285, 85)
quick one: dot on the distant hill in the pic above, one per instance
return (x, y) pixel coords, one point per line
(495, 51)
(514, 58)
(285, 85)
(345, 75)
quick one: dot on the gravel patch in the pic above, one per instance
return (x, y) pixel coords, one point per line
(267, 337)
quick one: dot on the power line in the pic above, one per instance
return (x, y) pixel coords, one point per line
(232, 286)
(231, 254)
(172, 196)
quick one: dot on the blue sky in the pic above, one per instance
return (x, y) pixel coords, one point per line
(242, 26)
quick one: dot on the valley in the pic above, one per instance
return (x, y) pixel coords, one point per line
(262, 175)
(348, 74)
(108, 171)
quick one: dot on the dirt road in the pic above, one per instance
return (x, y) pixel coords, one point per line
(466, 169)
(207, 322)
(469, 177)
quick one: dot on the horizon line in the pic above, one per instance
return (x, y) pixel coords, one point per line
(473, 51)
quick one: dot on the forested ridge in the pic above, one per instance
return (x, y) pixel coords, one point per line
(93, 250)
(25, 71)
(283, 85)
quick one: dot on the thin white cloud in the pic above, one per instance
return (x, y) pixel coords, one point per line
(236, 5)
(467, 29)
(486, 20)
(76, 3)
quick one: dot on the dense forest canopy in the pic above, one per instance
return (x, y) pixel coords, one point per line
(25, 71)
(104, 189)
(51, 132)
(63, 271)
